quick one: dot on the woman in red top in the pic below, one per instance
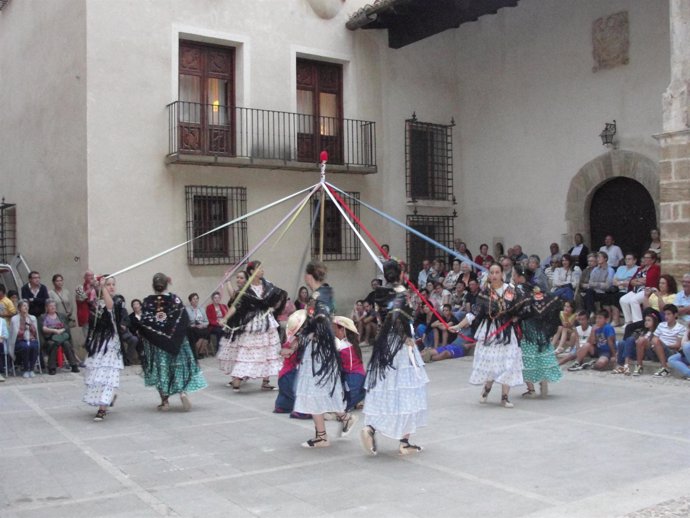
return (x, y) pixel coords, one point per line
(214, 312)
(484, 259)
(646, 276)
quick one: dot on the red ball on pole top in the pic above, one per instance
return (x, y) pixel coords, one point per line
(324, 156)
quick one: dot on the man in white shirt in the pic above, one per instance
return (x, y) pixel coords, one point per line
(683, 301)
(613, 251)
(423, 276)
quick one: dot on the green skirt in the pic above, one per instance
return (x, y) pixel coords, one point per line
(172, 374)
(539, 366)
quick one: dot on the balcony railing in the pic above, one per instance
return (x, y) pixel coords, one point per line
(263, 137)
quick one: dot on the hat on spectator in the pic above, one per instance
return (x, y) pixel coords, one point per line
(345, 322)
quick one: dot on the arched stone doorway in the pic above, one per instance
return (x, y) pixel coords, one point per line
(623, 208)
(594, 174)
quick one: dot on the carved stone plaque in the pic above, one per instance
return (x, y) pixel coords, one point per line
(610, 41)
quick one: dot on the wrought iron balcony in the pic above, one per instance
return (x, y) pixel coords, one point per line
(212, 134)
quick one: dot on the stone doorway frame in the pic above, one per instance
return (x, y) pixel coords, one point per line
(598, 171)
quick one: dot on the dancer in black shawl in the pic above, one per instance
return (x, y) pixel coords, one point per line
(103, 345)
(539, 319)
(253, 331)
(319, 387)
(170, 365)
(395, 403)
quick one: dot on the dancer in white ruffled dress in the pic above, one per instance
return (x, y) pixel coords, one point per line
(396, 401)
(497, 355)
(105, 360)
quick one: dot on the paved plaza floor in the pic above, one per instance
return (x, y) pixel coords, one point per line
(600, 445)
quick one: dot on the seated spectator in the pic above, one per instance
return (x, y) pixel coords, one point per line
(56, 333)
(302, 298)
(518, 255)
(4, 338)
(566, 279)
(539, 278)
(655, 243)
(580, 338)
(627, 348)
(467, 274)
(14, 297)
(424, 335)
(442, 335)
(24, 338)
(666, 340)
(565, 336)
(198, 332)
(484, 259)
(458, 300)
(215, 311)
(353, 372)
(453, 276)
(424, 274)
(460, 247)
(358, 313)
(646, 276)
(472, 293)
(579, 252)
(613, 252)
(368, 324)
(601, 345)
(36, 294)
(439, 296)
(507, 266)
(657, 298)
(682, 301)
(619, 287)
(371, 297)
(554, 255)
(7, 308)
(62, 298)
(550, 271)
(599, 281)
(680, 362)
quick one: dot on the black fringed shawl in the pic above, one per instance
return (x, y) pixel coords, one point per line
(317, 330)
(164, 322)
(395, 331)
(500, 309)
(273, 300)
(539, 316)
(102, 329)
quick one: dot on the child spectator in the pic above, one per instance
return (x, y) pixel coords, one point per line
(601, 345)
(580, 338)
(667, 338)
(626, 348)
(566, 331)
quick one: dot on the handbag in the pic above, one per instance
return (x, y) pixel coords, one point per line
(61, 338)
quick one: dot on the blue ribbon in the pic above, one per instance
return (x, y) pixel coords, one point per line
(454, 253)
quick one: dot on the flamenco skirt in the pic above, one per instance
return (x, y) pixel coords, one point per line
(397, 404)
(253, 354)
(172, 374)
(494, 361)
(103, 374)
(539, 366)
(316, 396)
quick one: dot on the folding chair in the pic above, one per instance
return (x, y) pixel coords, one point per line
(8, 360)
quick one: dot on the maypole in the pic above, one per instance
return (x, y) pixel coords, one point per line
(322, 215)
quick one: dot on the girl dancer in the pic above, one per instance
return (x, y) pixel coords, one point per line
(256, 332)
(319, 388)
(497, 356)
(395, 403)
(227, 345)
(539, 314)
(170, 364)
(103, 345)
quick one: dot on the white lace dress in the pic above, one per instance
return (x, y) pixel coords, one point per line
(102, 377)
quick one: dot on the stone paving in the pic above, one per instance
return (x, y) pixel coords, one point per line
(600, 445)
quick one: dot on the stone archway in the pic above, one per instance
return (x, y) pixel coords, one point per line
(598, 171)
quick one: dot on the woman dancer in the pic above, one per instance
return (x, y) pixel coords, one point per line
(395, 403)
(103, 345)
(497, 356)
(170, 363)
(227, 345)
(257, 340)
(319, 388)
(540, 316)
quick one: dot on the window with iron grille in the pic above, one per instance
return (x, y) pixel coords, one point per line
(8, 231)
(207, 208)
(428, 160)
(339, 241)
(438, 228)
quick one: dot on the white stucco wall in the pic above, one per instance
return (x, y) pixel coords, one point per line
(43, 132)
(531, 110)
